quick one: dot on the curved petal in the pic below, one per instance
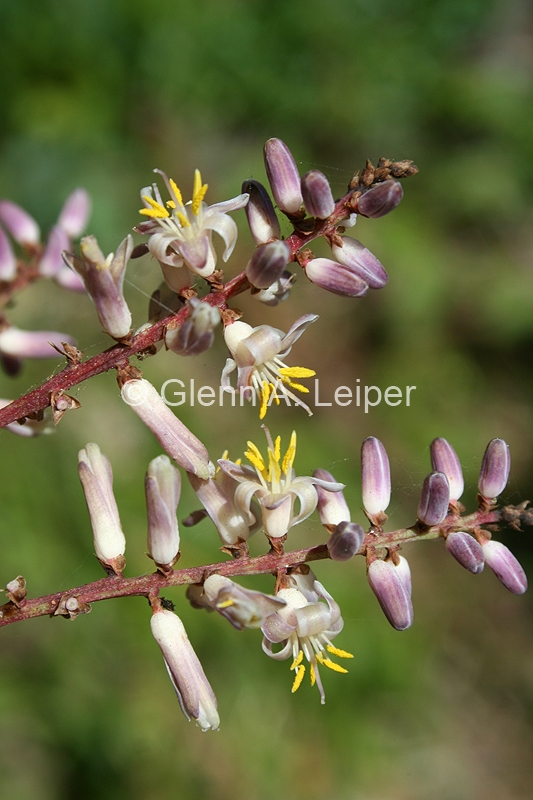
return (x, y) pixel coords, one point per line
(260, 346)
(228, 205)
(195, 251)
(333, 605)
(308, 497)
(296, 330)
(237, 471)
(225, 227)
(158, 245)
(276, 629)
(243, 497)
(230, 367)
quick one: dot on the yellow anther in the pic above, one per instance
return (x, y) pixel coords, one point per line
(339, 653)
(312, 674)
(277, 448)
(288, 459)
(296, 372)
(273, 466)
(157, 211)
(298, 386)
(225, 604)
(177, 193)
(197, 184)
(238, 462)
(298, 660)
(298, 679)
(265, 394)
(254, 457)
(225, 454)
(170, 204)
(327, 662)
(198, 192)
(183, 220)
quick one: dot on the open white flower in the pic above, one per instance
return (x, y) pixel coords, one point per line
(258, 355)
(181, 233)
(305, 628)
(276, 488)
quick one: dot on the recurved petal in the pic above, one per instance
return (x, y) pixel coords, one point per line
(226, 228)
(228, 205)
(296, 330)
(307, 495)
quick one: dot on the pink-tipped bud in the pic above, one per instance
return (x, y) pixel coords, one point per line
(283, 176)
(332, 507)
(392, 586)
(495, 469)
(8, 262)
(317, 196)
(356, 257)
(375, 482)
(197, 333)
(277, 292)
(19, 223)
(31, 344)
(268, 263)
(434, 500)
(51, 262)
(466, 550)
(505, 566)
(96, 478)
(75, 213)
(262, 219)
(444, 459)
(345, 541)
(173, 436)
(336, 278)
(380, 199)
(162, 485)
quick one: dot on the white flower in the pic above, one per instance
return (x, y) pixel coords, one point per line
(258, 357)
(305, 628)
(181, 233)
(276, 488)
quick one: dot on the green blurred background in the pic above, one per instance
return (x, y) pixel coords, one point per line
(99, 92)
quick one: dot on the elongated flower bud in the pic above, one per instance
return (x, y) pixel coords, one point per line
(336, 278)
(345, 541)
(317, 196)
(444, 459)
(505, 566)
(96, 478)
(197, 333)
(495, 469)
(31, 344)
(375, 482)
(392, 586)
(356, 257)
(195, 695)
(434, 500)
(75, 213)
(283, 176)
(162, 486)
(466, 550)
(332, 507)
(244, 608)
(262, 219)
(19, 223)
(8, 262)
(51, 262)
(267, 264)
(380, 199)
(173, 436)
(103, 279)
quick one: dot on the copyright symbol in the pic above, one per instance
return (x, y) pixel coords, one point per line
(135, 392)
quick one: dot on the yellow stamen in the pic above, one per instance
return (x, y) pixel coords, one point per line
(265, 394)
(298, 660)
(170, 204)
(296, 372)
(312, 674)
(336, 652)
(298, 386)
(177, 193)
(197, 184)
(157, 211)
(273, 466)
(198, 192)
(239, 462)
(298, 679)
(327, 662)
(288, 459)
(225, 604)
(275, 397)
(183, 220)
(277, 448)
(254, 457)
(225, 454)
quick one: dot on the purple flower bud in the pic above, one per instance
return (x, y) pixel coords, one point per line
(262, 219)
(466, 550)
(51, 262)
(162, 486)
(375, 481)
(173, 436)
(8, 262)
(495, 469)
(392, 586)
(345, 541)
(317, 196)
(197, 333)
(277, 292)
(335, 278)
(380, 199)
(31, 344)
(75, 213)
(268, 263)
(444, 459)
(332, 507)
(505, 566)
(283, 176)
(20, 225)
(355, 256)
(435, 499)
